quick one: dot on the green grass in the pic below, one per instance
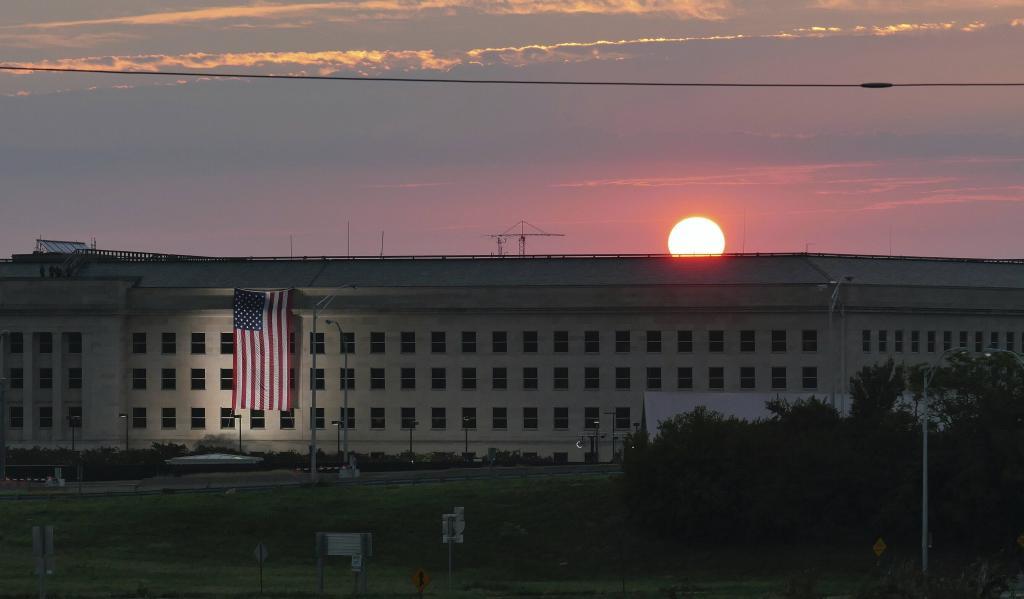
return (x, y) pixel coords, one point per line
(554, 537)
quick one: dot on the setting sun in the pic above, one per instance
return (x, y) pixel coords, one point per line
(696, 235)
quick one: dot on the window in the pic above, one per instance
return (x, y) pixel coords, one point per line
(499, 342)
(408, 378)
(591, 377)
(316, 378)
(351, 423)
(438, 419)
(591, 418)
(168, 343)
(499, 418)
(979, 341)
(561, 342)
(347, 377)
(438, 343)
(499, 378)
(809, 377)
(469, 378)
(883, 341)
(258, 420)
(716, 341)
(947, 340)
(963, 339)
(74, 378)
(408, 342)
(915, 341)
(46, 343)
(347, 343)
(529, 378)
(377, 345)
(438, 378)
(227, 418)
(809, 340)
(530, 419)
(377, 420)
(592, 342)
(286, 419)
(138, 378)
(227, 379)
(316, 343)
(897, 341)
(1010, 340)
(622, 342)
(469, 418)
(17, 376)
(747, 341)
(198, 345)
(139, 343)
(530, 343)
(684, 342)
(198, 417)
(748, 379)
(779, 377)
(168, 418)
(408, 418)
(46, 378)
(622, 378)
(138, 417)
(778, 340)
(561, 419)
(684, 377)
(227, 343)
(45, 417)
(622, 418)
(17, 341)
(654, 342)
(716, 377)
(560, 377)
(865, 340)
(653, 377)
(16, 415)
(74, 342)
(993, 339)
(930, 348)
(376, 379)
(469, 342)
(319, 420)
(198, 379)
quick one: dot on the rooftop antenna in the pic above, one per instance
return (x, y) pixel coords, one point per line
(348, 238)
(382, 244)
(509, 233)
(291, 246)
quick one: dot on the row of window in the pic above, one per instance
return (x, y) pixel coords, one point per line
(44, 417)
(72, 342)
(44, 378)
(871, 340)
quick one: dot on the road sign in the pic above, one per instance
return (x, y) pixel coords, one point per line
(261, 553)
(357, 563)
(420, 579)
(879, 547)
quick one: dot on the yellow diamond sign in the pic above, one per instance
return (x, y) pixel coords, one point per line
(880, 546)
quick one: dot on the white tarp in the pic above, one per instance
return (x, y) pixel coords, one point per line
(663, 405)
(213, 459)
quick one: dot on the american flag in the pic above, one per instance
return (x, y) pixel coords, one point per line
(261, 357)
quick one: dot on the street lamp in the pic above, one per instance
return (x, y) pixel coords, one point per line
(412, 427)
(238, 418)
(73, 423)
(612, 414)
(344, 393)
(835, 301)
(338, 424)
(929, 372)
(125, 416)
(465, 429)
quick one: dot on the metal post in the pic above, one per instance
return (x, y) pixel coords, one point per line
(3, 406)
(344, 400)
(451, 556)
(125, 416)
(924, 475)
(412, 425)
(238, 417)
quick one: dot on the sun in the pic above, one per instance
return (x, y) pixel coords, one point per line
(696, 235)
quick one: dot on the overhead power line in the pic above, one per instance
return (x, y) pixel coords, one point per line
(869, 85)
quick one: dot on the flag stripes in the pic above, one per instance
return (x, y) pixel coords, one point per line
(261, 358)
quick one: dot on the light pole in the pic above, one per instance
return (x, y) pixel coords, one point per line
(465, 429)
(338, 423)
(317, 308)
(929, 372)
(835, 301)
(125, 416)
(612, 414)
(412, 427)
(344, 394)
(73, 423)
(238, 423)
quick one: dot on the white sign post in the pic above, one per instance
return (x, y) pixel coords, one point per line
(452, 526)
(42, 550)
(359, 546)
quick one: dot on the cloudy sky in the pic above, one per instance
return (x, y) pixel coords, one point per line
(239, 167)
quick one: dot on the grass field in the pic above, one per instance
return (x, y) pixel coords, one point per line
(553, 537)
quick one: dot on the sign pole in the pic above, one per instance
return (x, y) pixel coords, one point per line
(451, 554)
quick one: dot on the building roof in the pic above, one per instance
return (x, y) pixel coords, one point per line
(156, 271)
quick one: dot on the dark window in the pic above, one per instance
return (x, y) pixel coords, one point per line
(622, 342)
(684, 377)
(408, 342)
(915, 341)
(227, 418)
(347, 377)
(560, 343)
(622, 418)
(198, 345)
(716, 377)
(930, 347)
(530, 419)
(74, 378)
(227, 379)
(45, 417)
(560, 377)
(377, 419)
(168, 343)
(438, 418)
(591, 377)
(499, 418)
(469, 342)
(883, 341)
(947, 340)
(351, 417)
(716, 341)
(979, 341)
(592, 342)
(653, 377)
(316, 343)
(438, 378)
(809, 377)
(316, 378)
(809, 340)
(897, 341)
(779, 377)
(865, 340)
(319, 421)
(530, 343)
(16, 415)
(654, 342)
(46, 343)
(684, 341)
(139, 343)
(377, 345)
(168, 418)
(499, 378)
(408, 418)
(1010, 341)
(17, 376)
(74, 343)
(138, 417)
(17, 341)
(963, 339)
(287, 419)
(408, 376)
(376, 378)
(45, 378)
(198, 417)
(529, 378)
(622, 377)
(748, 379)
(347, 344)
(561, 419)
(291, 378)
(747, 341)
(291, 343)
(993, 339)
(469, 418)
(778, 341)
(469, 378)
(138, 378)
(227, 343)
(438, 342)
(198, 379)
(591, 418)
(499, 342)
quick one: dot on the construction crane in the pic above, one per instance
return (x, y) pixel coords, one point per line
(525, 230)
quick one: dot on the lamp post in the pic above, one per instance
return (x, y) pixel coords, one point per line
(338, 424)
(612, 414)
(238, 423)
(320, 305)
(835, 301)
(73, 423)
(412, 427)
(125, 416)
(595, 447)
(929, 372)
(343, 431)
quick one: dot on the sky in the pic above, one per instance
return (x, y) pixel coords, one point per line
(240, 167)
